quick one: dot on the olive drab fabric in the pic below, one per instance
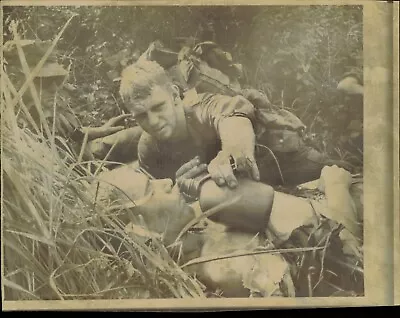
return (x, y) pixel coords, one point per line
(203, 112)
(280, 129)
(163, 56)
(207, 68)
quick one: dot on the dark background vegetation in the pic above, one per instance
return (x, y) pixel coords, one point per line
(295, 54)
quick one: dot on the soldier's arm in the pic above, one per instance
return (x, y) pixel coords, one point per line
(109, 128)
(237, 136)
(232, 118)
(120, 146)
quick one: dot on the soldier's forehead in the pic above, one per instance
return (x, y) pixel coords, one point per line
(138, 108)
(133, 183)
(157, 96)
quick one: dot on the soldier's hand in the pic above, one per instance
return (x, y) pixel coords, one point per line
(107, 129)
(334, 176)
(245, 163)
(222, 168)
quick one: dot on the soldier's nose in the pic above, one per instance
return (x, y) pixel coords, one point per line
(152, 119)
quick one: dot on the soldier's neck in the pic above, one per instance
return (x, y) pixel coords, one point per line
(182, 132)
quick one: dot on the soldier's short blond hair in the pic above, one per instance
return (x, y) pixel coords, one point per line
(138, 79)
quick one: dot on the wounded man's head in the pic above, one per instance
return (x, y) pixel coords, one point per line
(156, 202)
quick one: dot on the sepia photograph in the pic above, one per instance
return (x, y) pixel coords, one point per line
(182, 152)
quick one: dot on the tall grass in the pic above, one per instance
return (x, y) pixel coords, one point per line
(58, 243)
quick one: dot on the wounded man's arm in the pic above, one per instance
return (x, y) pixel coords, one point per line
(336, 182)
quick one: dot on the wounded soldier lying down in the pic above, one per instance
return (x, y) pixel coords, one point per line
(253, 217)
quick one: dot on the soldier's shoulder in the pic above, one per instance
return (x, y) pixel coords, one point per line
(191, 97)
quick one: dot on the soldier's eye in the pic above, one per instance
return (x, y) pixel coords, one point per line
(140, 117)
(158, 108)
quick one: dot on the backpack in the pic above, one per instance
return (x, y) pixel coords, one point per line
(209, 69)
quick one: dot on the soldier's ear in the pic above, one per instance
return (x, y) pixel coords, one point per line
(175, 91)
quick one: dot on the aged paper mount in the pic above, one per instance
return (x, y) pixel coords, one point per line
(381, 170)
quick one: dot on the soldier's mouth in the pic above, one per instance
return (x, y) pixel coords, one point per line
(158, 130)
(161, 131)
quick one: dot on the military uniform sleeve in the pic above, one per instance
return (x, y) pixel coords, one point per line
(213, 108)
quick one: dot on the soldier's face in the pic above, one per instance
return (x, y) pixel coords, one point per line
(157, 114)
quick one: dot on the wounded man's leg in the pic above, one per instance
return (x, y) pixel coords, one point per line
(289, 213)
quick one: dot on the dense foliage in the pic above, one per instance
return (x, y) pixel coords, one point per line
(295, 54)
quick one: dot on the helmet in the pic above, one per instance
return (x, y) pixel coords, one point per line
(34, 50)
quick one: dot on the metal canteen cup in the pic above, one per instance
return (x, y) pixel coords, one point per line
(190, 188)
